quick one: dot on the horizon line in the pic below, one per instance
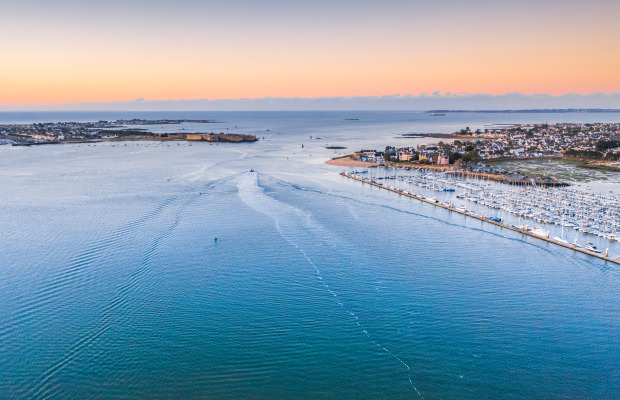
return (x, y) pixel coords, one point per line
(396, 102)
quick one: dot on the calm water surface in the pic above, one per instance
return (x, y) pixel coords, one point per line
(317, 287)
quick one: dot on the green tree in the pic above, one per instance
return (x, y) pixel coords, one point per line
(454, 156)
(471, 156)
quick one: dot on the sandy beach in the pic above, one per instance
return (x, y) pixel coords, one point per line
(349, 162)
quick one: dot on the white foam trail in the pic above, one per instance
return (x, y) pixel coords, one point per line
(282, 214)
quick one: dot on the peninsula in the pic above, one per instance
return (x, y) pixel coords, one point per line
(595, 145)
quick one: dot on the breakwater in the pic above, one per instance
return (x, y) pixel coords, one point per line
(482, 218)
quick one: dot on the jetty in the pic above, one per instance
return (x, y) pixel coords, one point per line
(482, 218)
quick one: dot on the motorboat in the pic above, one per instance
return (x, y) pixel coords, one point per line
(540, 232)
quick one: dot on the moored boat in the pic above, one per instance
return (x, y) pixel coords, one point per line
(540, 232)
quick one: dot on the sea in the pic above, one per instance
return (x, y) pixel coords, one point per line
(170, 270)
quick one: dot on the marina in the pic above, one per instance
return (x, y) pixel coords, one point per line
(601, 210)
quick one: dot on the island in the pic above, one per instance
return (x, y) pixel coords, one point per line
(105, 131)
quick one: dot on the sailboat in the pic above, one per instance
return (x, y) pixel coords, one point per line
(561, 239)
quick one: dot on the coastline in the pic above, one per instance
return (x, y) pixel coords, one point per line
(442, 136)
(346, 161)
(600, 166)
(172, 137)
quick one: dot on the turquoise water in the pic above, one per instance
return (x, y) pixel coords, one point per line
(317, 287)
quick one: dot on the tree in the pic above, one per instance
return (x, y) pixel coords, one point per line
(454, 156)
(471, 156)
(607, 144)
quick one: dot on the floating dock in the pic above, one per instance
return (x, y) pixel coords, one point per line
(484, 219)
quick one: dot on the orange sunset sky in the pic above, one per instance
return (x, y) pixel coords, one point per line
(69, 51)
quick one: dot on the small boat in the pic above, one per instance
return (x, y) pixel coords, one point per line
(539, 232)
(560, 240)
(592, 248)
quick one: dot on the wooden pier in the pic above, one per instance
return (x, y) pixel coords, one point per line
(485, 219)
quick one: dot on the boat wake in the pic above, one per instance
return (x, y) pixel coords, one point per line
(287, 218)
(347, 200)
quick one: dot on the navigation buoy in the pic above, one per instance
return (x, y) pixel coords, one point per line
(215, 239)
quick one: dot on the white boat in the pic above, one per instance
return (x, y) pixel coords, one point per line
(592, 248)
(539, 232)
(560, 240)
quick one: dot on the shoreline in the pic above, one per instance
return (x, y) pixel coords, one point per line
(346, 161)
(502, 178)
(599, 166)
(189, 138)
(441, 136)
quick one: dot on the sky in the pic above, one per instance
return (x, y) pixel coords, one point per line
(68, 51)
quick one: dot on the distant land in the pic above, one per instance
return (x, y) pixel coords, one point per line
(533, 110)
(120, 130)
(396, 102)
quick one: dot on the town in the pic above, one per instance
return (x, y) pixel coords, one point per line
(597, 141)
